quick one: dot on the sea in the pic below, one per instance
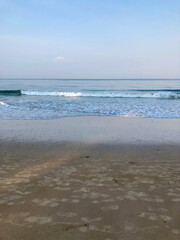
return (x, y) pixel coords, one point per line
(57, 98)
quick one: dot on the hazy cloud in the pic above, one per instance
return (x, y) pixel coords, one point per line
(58, 58)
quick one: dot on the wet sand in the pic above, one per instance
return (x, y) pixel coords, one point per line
(93, 130)
(116, 188)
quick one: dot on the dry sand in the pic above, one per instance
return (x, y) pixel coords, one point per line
(90, 178)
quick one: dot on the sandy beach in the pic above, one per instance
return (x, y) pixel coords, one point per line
(101, 178)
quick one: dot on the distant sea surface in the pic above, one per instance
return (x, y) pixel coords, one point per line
(56, 98)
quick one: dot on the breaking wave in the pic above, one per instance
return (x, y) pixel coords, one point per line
(161, 94)
(174, 94)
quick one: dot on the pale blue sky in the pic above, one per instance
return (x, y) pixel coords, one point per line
(90, 39)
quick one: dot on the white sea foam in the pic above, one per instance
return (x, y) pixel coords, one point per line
(63, 94)
(3, 103)
(160, 94)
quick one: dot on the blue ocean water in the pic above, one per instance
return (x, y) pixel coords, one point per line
(55, 98)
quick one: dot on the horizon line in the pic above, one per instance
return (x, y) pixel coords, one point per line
(89, 78)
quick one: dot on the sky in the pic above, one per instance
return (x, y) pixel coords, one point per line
(90, 39)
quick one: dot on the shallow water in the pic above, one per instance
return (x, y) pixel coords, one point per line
(50, 98)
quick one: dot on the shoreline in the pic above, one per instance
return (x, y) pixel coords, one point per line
(87, 116)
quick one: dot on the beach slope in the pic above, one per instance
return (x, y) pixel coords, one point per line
(101, 178)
